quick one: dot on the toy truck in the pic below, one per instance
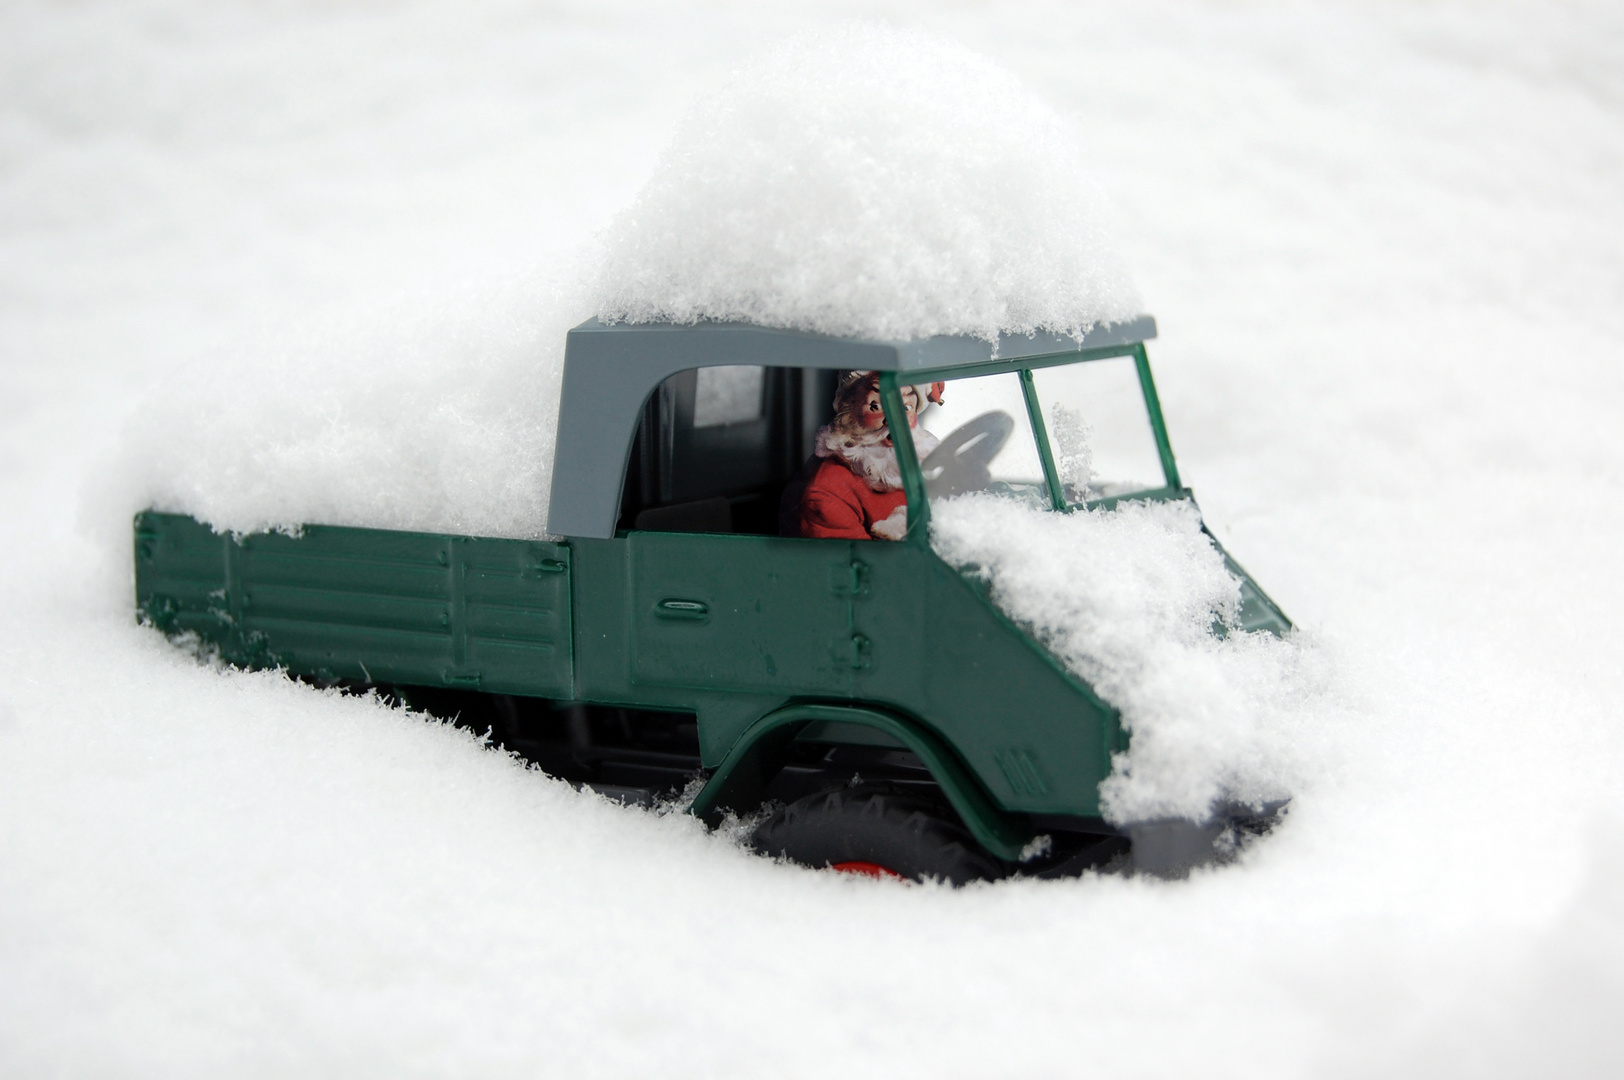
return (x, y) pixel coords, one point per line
(861, 697)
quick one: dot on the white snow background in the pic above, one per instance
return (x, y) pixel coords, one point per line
(1386, 247)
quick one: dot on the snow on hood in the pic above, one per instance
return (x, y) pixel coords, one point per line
(1126, 599)
(870, 182)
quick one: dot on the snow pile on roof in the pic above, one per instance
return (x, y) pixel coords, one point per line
(874, 183)
(1125, 598)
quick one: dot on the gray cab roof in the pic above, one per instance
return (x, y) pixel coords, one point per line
(610, 370)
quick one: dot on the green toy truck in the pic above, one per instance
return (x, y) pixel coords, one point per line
(698, 624)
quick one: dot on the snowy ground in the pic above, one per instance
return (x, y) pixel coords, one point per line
(1386, 247)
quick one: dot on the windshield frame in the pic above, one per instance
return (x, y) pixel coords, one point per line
(913, 481)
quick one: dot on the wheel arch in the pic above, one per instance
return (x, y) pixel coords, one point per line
(761, 751)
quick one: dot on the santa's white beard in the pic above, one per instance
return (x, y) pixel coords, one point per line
(867, 455)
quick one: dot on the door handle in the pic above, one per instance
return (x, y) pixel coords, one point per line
(685, 610)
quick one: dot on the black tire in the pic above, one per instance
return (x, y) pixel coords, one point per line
(905, 834)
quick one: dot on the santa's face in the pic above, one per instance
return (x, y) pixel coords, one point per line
(859, 437)
(871, 413)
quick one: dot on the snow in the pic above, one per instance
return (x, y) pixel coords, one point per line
(440, 418)
(727, 395)
(1127, 598)
(1383, 245)
(870, 182)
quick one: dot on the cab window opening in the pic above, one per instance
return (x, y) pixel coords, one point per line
(809, 453)
(1062, 435)
(715, 448)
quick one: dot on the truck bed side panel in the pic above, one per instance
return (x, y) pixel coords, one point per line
(367, 604)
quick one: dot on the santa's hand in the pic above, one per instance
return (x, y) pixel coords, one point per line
(894, 527)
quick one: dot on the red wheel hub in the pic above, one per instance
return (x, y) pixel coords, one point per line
(867, 869)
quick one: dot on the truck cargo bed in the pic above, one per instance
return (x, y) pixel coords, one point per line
(374, 605)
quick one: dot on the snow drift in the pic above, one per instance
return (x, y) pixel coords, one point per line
(1126, 598)
(872, 183)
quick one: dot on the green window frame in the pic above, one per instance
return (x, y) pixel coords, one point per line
(913, 480)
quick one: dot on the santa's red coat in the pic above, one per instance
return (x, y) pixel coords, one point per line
(839, 504)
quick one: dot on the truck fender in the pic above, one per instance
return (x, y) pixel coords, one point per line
(762, 750)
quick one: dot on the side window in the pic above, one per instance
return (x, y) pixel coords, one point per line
(728, 395)
(717, 446)
(968, 405)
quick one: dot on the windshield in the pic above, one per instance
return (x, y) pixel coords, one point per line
(979, 439)
(1099, 429)
(980, 436)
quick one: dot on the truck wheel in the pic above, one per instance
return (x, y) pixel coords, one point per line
(873, 830)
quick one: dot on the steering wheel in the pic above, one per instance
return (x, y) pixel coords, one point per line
(959, 463)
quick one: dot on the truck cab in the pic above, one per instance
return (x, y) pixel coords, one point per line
(861, 702)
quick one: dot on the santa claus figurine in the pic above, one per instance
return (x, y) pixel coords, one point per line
(855, 487)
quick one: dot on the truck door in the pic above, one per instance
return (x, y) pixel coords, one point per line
(746, 613)
(716, 600)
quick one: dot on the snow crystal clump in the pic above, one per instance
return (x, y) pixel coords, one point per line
(870, 182)
(1126, 599)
